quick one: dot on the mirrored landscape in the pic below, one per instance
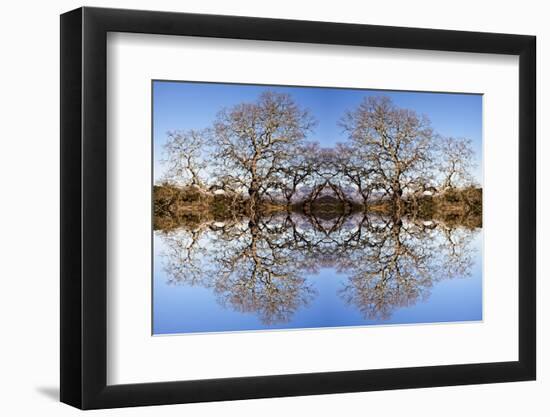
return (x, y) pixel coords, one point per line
(300, 207)
(295, 271)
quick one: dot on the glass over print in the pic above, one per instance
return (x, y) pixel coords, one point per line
(279, 207)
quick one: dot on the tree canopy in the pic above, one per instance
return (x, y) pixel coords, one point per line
(264, 150)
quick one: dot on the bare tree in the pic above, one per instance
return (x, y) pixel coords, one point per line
(358, 169)
(456, 161)
(184, 256)
(398, 142)
(253, 139)
(396, 265)
(184, 156)
(259, 273)
(296, 171)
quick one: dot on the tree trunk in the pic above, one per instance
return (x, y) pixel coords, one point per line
(398, 205)
(254, 190)
(254, 201)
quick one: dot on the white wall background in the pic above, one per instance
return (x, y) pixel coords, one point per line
(29, 213)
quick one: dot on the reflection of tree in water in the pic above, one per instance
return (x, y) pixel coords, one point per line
(251, 267)
(396, 269)
(184, 256)
(255, 270)
(260, 267)
(456, 252)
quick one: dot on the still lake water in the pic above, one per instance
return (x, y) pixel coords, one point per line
(290, 272)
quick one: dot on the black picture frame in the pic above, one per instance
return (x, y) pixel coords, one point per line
(84, 207)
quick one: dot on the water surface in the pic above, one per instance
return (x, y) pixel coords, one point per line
(290, 271)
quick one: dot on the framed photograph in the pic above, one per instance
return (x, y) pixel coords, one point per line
(257, 208)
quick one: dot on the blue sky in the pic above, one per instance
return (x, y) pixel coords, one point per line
(192, 105)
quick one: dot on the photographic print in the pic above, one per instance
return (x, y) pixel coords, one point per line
(290, 207)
